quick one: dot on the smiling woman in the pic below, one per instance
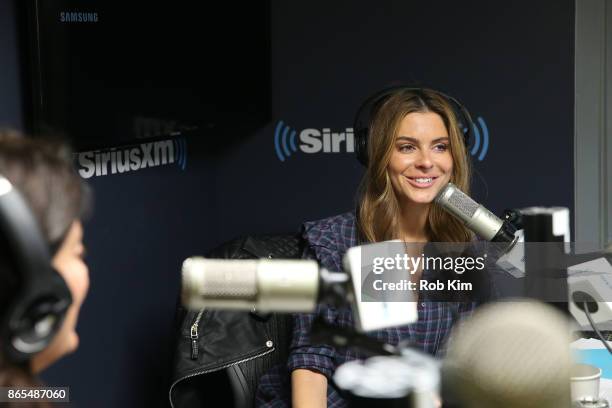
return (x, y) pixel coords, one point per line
(413, 146)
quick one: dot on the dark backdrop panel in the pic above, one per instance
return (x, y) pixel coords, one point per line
(511, 64)
(10, 77)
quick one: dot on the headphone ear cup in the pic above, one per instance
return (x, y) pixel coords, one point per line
(361, 145)
(469, 127)
(361, 124)
(463, 117)
(37, 310)
(36, 318)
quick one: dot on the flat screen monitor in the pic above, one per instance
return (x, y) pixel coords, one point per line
(108, 73)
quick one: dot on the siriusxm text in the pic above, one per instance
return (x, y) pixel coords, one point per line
(116, 160)
(316, 141)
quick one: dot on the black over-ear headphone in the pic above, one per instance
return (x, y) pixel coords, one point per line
(368, 108)
(42, 300)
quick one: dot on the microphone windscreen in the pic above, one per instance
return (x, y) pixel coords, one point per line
(477, 218)
(209, 281)
(273, 285)
(451, 197)
(511, 354)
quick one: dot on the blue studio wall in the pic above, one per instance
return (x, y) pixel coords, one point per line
(511, 63)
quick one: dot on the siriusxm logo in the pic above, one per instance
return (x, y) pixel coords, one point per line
(480, 142)
(132, 158)
(311, 141)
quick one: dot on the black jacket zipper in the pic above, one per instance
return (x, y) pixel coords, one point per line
(194, 335)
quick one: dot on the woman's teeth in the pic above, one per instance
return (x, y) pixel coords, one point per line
(422, 182)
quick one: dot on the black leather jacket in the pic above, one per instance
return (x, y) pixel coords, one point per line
(220, 355)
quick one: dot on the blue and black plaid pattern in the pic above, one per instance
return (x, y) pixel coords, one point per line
(327, 242)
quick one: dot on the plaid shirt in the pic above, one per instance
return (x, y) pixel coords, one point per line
(328, 240)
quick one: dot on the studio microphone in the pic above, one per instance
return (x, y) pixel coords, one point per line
(475, 217)
(268, 285)
(510, 256)
(295, 285)
(508, 355)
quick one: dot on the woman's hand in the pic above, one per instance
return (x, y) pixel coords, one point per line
(308, 389)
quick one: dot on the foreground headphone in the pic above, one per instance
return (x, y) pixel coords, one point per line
(368, 109)
(39, 307)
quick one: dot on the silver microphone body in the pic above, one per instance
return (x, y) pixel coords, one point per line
(263, 284)
(475, 217)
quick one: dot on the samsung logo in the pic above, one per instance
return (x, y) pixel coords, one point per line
(78, 17)
(132, 158)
